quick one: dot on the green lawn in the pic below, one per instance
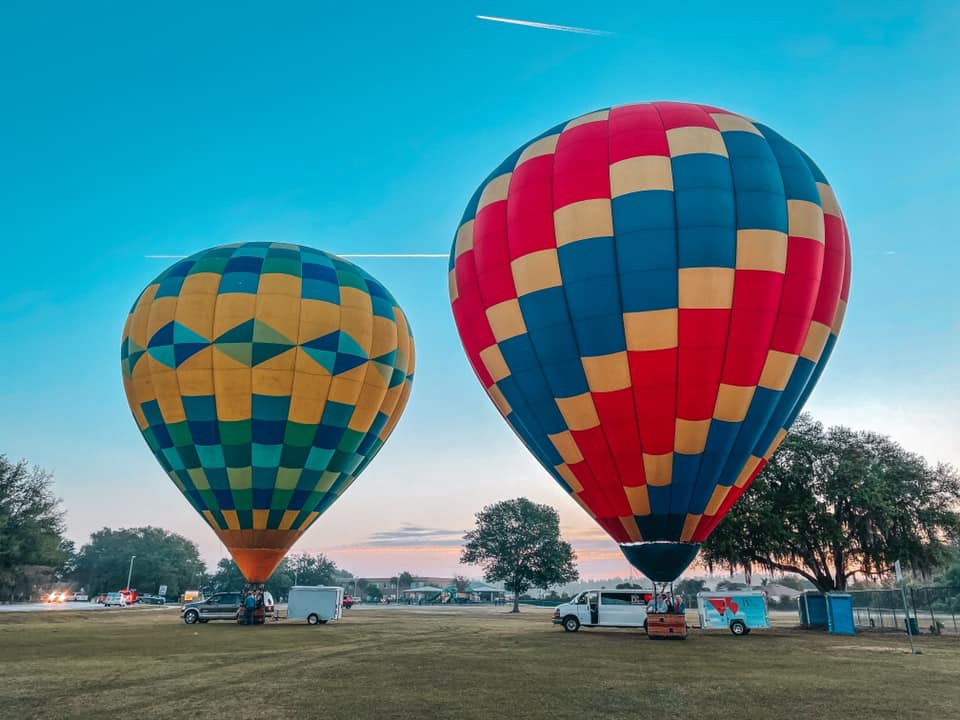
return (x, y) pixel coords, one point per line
(475, 663)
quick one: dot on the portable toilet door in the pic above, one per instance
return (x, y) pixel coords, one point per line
(813, 609)
(840, 614)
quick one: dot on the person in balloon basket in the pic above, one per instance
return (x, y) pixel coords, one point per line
(249, 605)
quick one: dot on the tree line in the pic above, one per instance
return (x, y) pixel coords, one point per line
(833, 506)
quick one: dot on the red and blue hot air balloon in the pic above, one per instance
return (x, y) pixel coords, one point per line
(649, 294)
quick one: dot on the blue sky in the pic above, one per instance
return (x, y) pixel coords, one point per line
(127, 132)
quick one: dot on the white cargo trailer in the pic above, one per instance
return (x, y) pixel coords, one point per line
(315, 604)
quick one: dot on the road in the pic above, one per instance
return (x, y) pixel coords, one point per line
(74, 606)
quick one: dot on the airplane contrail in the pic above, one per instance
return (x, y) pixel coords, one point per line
(544, 26)
(343, 255)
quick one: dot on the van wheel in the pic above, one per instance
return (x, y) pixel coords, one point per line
(191, 616)
(645, 626)
(312, 619)
(738, 627)
(571, 624)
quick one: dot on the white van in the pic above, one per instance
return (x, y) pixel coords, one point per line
(315, 604)
(604, 608)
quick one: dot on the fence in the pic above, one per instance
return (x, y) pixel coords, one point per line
(936, 610)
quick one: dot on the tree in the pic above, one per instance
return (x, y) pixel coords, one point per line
(832, 504)
(406, 580)
(461, 583)
(688, 589)
(628, 586)
(519, 542)
(32, 546)
(162, 558)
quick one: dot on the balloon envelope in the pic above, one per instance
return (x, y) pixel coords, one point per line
(648, 294)
(264, 377)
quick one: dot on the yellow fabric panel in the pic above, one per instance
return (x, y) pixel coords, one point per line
(452, 285)
(240, 478)
(734, 123)
(208, 516)
(288, 286)
(828, 200)
(287, 479)
(367, 407)
(464, 240)
(494, 362)
(199, 478)
(351, 297)
(695, 140)
(384, 336)
(566, 473)
(288, 518)
(317, 318)
(536, 271)
(232, 389)
(581, 220)
(284, 362)
(838, 317)
(326, 481)
(345, 390)
(777, 370)
(230, 516)
(761, 250)
(747, 471)
(142, 381)
(233, 309)
(543, 146)
(658, 469)
(494, 191)
(706, 287)
(260, 518)
(733, 401)
(639, 499)
(629, 524)
(196, 313)
(396, 411)
(805, 219)
(579, 411)
(606, 373)
(177, 481)
(506, 320)
(140, 317)
(816, 340)
(650, 329)
(781, 436)
(278, 383)
(690, 436)
(716, 499)
(598, 116)
(689, 527)
(567, 447)
(280, 312)
(161, 312)
(637, 174)
(167, 388)
(358, 324)
(499, 400)
(206, 283)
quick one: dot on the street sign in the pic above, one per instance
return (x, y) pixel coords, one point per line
(162, 591)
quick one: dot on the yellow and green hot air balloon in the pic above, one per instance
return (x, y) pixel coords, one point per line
(265, 377)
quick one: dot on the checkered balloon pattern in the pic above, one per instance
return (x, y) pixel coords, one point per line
(265, 377)
(649, 294)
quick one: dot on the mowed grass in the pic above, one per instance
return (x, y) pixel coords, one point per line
(473, 663)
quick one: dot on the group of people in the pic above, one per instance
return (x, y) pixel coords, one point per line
(666, 603)
(253, 599)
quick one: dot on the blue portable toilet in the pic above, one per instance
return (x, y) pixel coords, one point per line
(840, 614)
(813, 609)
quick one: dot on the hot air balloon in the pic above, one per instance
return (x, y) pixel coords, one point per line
(265, 377)
(648, 294)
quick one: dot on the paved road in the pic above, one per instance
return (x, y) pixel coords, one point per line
(75, 606)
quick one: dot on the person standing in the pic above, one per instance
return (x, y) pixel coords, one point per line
(249, 605)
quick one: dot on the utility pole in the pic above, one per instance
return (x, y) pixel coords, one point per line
(906, 610)
(130, 571)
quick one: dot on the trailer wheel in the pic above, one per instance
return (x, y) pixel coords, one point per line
(312, 619)
(738, 627)
(571, 623)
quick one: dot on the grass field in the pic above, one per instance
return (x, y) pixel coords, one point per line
(475, 663)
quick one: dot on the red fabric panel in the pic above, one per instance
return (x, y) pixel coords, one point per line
(800, 286)
(756, 295)
(491, 255)
(635, 131)
(530, 208)
(654, 374)
(580, 167)
(703, 338)
(677, 115)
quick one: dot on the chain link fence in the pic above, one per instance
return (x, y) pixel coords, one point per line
(932, 610)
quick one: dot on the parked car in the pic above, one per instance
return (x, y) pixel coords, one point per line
(604, 608)
(219, 606)
(115, 599)
(101, 598)
(153, 600)
(347, 602)
(80, 597)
